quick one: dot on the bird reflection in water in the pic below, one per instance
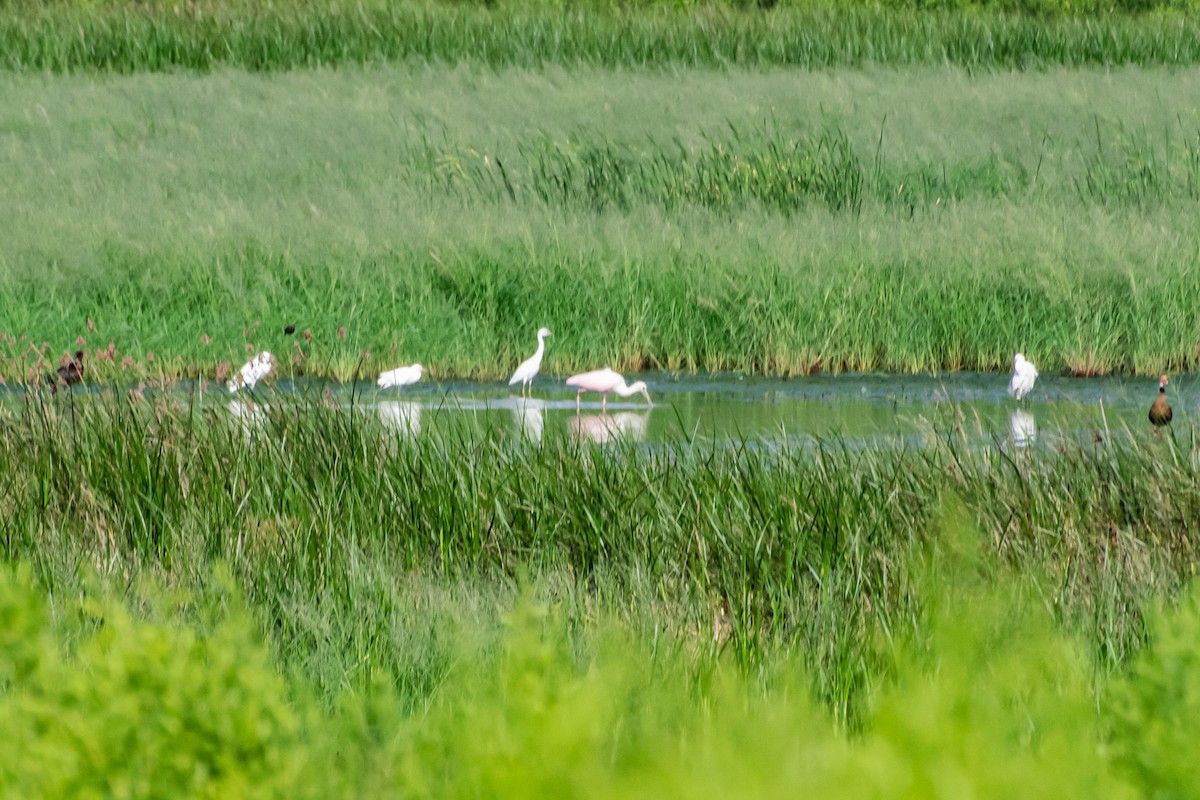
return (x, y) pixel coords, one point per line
(1023, 427)
(602, 428)
(402, 417)
(252, 415)
(529, 415)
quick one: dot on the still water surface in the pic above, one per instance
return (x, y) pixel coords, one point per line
(855, 408)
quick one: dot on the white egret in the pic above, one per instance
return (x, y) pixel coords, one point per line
(604, 381)
(529, 367)
(252, 372)
(401, 376)
(1023, 377)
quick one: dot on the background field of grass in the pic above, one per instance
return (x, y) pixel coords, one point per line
(1020, 34)
(768, 222)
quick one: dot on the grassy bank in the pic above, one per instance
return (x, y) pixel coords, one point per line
(118, 37)
(770, 223)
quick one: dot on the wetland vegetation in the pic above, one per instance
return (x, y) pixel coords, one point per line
(288, 597)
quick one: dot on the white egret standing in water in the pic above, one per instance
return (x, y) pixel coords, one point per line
(604, 381)
(529, 367)
(1023, 377)
(252, 372)
(400, 376)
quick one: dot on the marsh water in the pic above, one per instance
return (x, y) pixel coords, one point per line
(859, 409)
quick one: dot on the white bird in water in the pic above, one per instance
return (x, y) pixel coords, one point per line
(252, 372)
(400, 376)
(530, 366)
(605, 381)
(1023, 377)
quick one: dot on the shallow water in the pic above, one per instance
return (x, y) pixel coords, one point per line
(855, 408)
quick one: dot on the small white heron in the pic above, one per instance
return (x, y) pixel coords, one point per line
(400, 376)
(252, 372)
(1023, 377)
(604, 381)
(530, 366)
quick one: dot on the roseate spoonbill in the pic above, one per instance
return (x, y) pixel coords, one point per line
(530, 366)
(400, 376)
(602, 428)
(604, 381)
(1160, 412)
(252, 372)
(1024, 376)
(68, 374)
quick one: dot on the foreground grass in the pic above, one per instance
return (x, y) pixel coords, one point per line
(121, 37)
(706, 221)
(338, 533)
(985, 695)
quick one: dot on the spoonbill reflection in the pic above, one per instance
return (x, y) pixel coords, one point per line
(530, 418)
(604, 381)
(1023, 427)
(601, 428)
(404, 418)
(400, 376)
(1023, 377)
(529, 367)
(1160, 411)
(252, 372)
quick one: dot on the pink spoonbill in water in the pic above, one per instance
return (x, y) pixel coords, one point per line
(604, 381)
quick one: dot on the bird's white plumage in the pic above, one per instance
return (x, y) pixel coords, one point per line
(604, 381)
(1023, 377)
(252, 372)
(400, 376)
(528, 368)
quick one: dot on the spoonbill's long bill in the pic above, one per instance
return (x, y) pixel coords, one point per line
(604, 381)
(1023, 377)
(529, 367)
(400, 376)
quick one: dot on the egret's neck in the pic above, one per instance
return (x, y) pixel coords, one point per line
(541, 348)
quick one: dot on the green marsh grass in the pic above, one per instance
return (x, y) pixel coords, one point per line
(125, 38)
(318, 511)
(144, 680)
(761, 223)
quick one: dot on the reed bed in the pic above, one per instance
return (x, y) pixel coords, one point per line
(328, 521)
(125, 38)
(390, 226)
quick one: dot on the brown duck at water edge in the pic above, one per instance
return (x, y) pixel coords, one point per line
(68, 374)
(1160, 412)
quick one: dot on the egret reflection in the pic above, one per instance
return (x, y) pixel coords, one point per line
(602, 428)
(1023, 427)
(403, 417)
(529, 415)
(250, 414)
